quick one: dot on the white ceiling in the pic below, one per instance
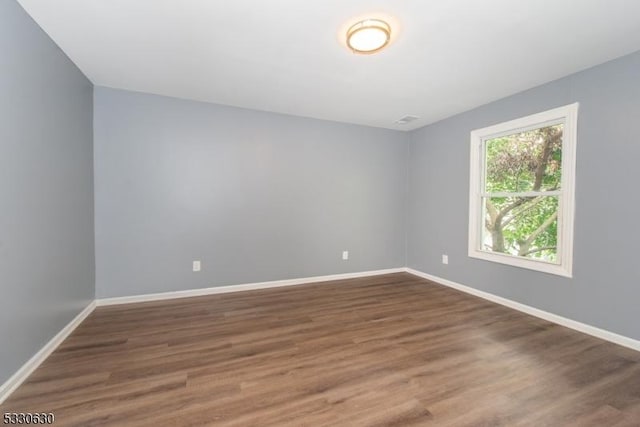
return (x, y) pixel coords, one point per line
(289, 56)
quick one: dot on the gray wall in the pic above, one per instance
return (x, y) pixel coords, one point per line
(255, 196)
(46, 189)
(604, 291)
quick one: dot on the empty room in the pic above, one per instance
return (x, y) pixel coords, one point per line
(330, 213)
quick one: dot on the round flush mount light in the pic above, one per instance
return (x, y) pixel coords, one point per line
(368, 36)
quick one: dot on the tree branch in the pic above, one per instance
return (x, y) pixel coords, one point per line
(534, 202)
(532, 251)
(547, 148)
(520, 201)
(493, 213)
(524, 246)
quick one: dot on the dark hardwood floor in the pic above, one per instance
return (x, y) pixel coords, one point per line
(390, 350)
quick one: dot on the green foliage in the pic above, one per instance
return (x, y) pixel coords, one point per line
(524, 221)
(528, 161)
(512, 161)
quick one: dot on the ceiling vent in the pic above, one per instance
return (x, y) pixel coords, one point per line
(406, 119)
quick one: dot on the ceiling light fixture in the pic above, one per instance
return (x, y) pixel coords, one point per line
(368, 36)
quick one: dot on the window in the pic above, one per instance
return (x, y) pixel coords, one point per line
(521, 200)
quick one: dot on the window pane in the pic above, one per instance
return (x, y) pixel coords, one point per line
(521, 226)
(524, 161)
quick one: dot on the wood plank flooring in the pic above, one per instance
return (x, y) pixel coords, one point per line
(392, 350)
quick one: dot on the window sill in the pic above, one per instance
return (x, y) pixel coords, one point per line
(529, 264)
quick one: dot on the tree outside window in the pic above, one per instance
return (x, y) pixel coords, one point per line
(521, 201)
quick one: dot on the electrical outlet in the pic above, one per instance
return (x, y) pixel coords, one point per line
(445, 259)
(345, 255)
(197, 266)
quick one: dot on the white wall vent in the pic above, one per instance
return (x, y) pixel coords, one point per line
(406, 119)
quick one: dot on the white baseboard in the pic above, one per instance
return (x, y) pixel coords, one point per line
(554, 318)
(27, 369)
(242, 287)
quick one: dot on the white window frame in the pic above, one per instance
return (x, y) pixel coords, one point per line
(568, 116)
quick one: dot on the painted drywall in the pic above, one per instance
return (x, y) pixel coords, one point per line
(46, 189)
(604, 290)
(254, 196)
